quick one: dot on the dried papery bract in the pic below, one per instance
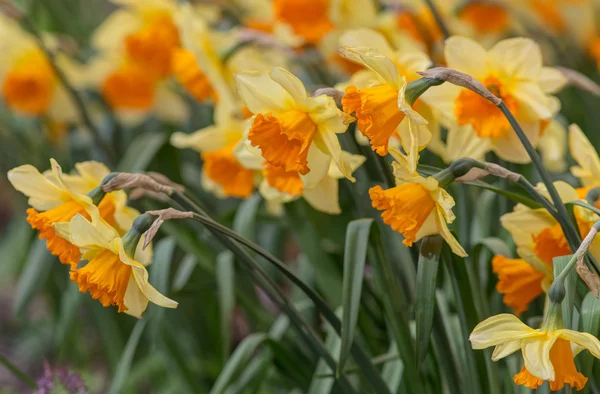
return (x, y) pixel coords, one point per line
(460, 79)
(123, 180)
(163, 215)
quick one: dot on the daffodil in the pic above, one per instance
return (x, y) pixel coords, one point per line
(553, 146)
(278, 186)
(222, 171)
(539, 239)
(56, 197)
(513, 71)
(109, 274)
(136, 46)
(29, 84)
(416, 207)
(520, 282)
(293, 131)
(381, 109)
(548, 352)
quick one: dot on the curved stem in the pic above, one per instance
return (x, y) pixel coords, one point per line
(438, 18)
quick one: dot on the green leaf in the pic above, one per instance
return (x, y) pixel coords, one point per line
(320, 384)
(141, 151)
(394, 302)
(34, 275)
(393, 369)
(355, 255)
(161, 264)
(590, 319)
(22, 376)
(245, 217)
(184, 272)
(237, 361)
(188, 241)
(70, 301)
(427, 272)
(226, 290)
(127, 357)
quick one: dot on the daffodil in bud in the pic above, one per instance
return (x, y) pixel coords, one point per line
(416, 207)
(548, 352)
(513, 71)
(384, 109)
(111, 270)
(222, 172)
(293, 131)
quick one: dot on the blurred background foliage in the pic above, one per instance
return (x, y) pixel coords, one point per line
(227, 336)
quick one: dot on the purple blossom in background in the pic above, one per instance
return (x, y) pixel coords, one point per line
(70, 380)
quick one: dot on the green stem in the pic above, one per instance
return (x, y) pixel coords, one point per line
(563, 216)
(438, 18)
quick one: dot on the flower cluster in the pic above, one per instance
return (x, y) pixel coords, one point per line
(308, 97)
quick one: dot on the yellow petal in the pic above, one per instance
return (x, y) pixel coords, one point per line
(261, 94)
(135, 301)
(499, 329)
(523, 223)
(43, 194)
(583, 339)
(520, 58)
(290, 83)
(324, 196)
(536, 353)
(367, 38)
(553, 146)
(208, 139)
(505, 349)
(329, 142)
(354, 161)
(318, 162)
(382, 66)
(551, 80)
(585, 155)
(447, 235)
(414, 138)
(509, 147)
(531, 95)
(466, 55)
(85, 234)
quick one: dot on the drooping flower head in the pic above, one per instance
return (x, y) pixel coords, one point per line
(548, 352)
(56, 197)
(416, 207)
(107, 272)
(513, 71)
(382, 109)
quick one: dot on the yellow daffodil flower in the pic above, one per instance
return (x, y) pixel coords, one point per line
(416, 207)
(56, 197)
(110, 275)
(520, 282)
(539, 238)
(548, 352)
(513, 71)
(222, 172)
(381, 109)
(29, 85)
(293, 131)
(136, 46)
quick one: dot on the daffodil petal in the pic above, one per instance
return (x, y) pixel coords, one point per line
(290, 83)
(208, 139)
(505, 349)
(324, 196)
(366, 38)
(551, 80)
(43, 194)
(141, 277)
(585, 155)
(466, 55)
(135, 301)
(519, 57)
(261, 94)
(85, 234)
(499, 329)
(583, 339)
(536, 353)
